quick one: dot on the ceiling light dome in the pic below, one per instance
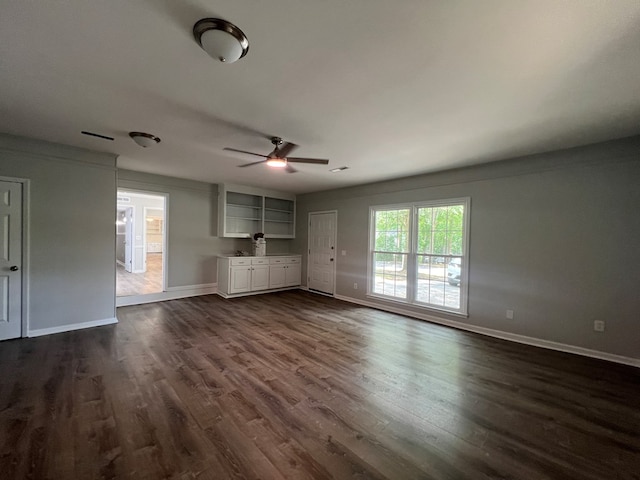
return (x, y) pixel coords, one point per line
(222, 40)
(144, 139)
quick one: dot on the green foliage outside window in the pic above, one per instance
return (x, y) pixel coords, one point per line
(440, 230)
(392, 232)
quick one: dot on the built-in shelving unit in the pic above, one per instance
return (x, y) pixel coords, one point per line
(279, 218)
(244, 211)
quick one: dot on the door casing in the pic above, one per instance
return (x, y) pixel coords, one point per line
(25, 263)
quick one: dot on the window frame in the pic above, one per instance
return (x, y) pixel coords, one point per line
(413, 254)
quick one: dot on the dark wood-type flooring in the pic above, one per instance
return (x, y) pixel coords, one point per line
(295, 385)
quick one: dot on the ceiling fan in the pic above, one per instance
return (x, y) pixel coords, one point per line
(278, 158)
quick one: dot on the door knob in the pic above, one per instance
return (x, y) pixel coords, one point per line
(13, 268)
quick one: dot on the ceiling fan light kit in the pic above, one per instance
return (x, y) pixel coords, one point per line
(277, 162)
(279, 157)
(222, 40)
(145, 140)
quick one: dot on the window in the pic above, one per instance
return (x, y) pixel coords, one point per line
(418, 254)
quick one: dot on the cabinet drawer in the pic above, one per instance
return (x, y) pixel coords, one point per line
(284, 260)
(259, 261)
(240, 261)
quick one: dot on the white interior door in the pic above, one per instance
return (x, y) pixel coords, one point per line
(10, 260)
(322, 250)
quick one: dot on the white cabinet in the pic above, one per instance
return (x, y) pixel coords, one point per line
(259, 274)
(244, 211)
(284, 272)
(239, 276)
(239, 279)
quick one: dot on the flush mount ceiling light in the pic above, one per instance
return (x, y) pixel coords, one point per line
(144, 139)
(222, 40)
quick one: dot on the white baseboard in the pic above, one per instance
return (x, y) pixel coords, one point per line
(74, 326)
(256, 292)
(513, 337)
(172, 293)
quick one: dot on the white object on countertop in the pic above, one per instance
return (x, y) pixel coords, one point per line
(260, 247)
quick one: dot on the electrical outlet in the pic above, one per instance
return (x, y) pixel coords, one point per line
(509, 314)
(598, 325)
(355, 286)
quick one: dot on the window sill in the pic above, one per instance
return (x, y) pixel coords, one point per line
(418, 306)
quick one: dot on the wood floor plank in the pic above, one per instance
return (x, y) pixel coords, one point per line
(299, 386)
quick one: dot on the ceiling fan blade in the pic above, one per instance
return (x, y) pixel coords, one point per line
(319, 161)
(252, 163)
(244, 151)
(290, 169)
(286, 149)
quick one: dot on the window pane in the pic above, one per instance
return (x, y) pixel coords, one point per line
(390, 274)
(392, 230)
(440, 230)
(425, 230)
(433, 285)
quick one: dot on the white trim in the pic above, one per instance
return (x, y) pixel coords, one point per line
(172, 293)
(256, 292)
(202, 286)
(513, 337)
(26, 250)
(318, 292)
(74, 326)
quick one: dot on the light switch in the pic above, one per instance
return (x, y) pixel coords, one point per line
(343, 253)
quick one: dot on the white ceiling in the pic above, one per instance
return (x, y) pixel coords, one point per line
(388, 88)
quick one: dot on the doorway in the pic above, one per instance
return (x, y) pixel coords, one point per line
(321, 266)
(140, 243)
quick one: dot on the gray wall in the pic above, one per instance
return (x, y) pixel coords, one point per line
(555, 237)
(72, 211)
(72, 234)
(191, 227)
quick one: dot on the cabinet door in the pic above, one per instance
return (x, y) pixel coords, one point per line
(239, 279)
(292, 275)
(259, 277)
(276, 276)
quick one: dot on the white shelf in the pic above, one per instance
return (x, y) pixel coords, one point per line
(244, 211)
(243, 206)
(277, 210)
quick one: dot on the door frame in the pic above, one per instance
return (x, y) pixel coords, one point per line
(165, 237)
(129, 235)
(335, 243)
(26, 252)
